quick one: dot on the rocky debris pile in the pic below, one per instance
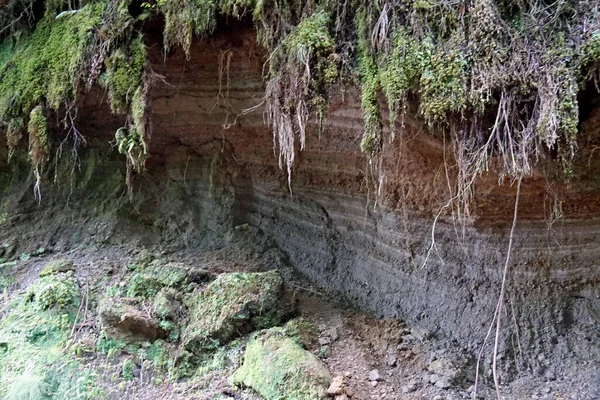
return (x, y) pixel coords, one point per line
(338, 389)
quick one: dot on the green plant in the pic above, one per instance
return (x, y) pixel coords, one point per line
(28, 386)
(114, 291)
(107, 345)
(127, 369)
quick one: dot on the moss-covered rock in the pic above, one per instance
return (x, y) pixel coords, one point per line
(278, 368)
(163, 305)
(60, 291)
(231, 305)
(148, 282)
(302, 331)
(57, 266)
(122, 321)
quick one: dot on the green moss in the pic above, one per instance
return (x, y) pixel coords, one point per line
(54, 291)
(278, 368)
(162, 306)
(311, 37)
(369, 85)
(590, 52)
(124, 70)
(148, 282)
(34, 361)
(46, 64)
(14, 133)
(443, 83)
(231, 305)
(106, 345)
(38, 137)
(399, 72)
(57, 266)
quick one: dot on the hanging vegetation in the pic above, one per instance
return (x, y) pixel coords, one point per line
(501, 77)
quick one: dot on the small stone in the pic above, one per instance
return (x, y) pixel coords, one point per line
(341, 397)
(324, 340)
(347, 374)
(392, 359)
(411, 387)
(349, 392)
(403, 346)
(550, 375)
(443, 382)
(546, 390)
(336, 387)
(374, 375)
(438, 397)
(373, 383)
(433, 378)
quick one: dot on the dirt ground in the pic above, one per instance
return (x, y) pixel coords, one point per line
(371, 358)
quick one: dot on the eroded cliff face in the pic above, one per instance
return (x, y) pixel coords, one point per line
(213, 167)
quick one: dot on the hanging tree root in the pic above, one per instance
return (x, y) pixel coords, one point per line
(497, 319)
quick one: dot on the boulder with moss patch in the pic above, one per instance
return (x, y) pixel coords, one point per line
(57, 266)
(149, 281)
(278, 368)
(60, 291)
(302, 331)
(120, 320)
(233, 304)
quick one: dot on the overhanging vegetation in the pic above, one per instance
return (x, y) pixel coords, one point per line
(500, 77)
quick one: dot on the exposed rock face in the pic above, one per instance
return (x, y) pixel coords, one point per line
(335, 234)
(124, 321)
(213, 168)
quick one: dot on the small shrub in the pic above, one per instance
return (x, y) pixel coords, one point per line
(107, 345)
(127, 369)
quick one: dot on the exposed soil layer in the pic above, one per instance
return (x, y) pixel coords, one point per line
(213, 168)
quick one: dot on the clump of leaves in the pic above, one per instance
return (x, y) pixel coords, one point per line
(302, 68)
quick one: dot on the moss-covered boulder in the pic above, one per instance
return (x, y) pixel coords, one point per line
(57, 266)
(149, 281)
(231, 305)
(54, 291)
(119, 320)
(279, 368)
(164, 305)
